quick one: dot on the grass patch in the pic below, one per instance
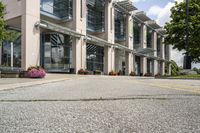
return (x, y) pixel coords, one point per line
(187, 76)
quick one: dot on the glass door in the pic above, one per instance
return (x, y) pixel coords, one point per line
(57, 52)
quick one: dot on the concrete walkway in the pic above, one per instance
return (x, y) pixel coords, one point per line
(12, 83)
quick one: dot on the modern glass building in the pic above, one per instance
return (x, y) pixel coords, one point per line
(97, 35)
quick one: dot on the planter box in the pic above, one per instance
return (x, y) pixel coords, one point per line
(10, 74)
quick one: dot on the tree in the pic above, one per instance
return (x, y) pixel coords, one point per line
(5, 34)
(176, 29)
(2, 22)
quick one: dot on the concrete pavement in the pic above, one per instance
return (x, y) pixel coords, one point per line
(103, 104)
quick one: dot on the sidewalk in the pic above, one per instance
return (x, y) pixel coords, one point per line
(12, 83)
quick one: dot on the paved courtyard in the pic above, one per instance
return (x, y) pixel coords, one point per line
(102, 104)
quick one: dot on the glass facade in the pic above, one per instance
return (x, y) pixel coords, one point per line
(95, 57)
(61, 9)
(158, 46)
(120, 26)
(7, 51)
(96, 15)
(149, 38)
(149, 66)
(137, 65)
(56, 52)
(136, 32)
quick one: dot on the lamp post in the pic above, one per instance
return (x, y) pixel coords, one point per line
(187, 59)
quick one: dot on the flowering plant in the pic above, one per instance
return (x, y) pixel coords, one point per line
(83, 72)
(148, 74)
(132, 74)
(36, 72)
(112, 73)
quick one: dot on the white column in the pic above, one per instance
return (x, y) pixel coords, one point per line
(30, 34)
(163, 48)
(79, 44)
(170, 69)
(109, 62)
(162, 68)
(118, 64)
(11, 54)
(129, 42)
(109, 52)
(144, 45)
(155, 62)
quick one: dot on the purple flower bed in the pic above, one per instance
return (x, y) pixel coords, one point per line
(36, 72)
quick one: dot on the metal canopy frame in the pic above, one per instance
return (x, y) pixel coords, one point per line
(125, 6)
(153, 24)
(145, 50)
(58, 28)
(141, 17)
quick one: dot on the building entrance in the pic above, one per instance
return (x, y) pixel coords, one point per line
(56, 52)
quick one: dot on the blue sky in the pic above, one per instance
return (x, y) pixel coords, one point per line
(145, 5)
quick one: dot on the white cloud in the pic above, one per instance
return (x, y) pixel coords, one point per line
(154, 11)
(136, 1)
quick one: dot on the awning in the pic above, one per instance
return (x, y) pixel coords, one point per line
(101, 42)
(141, 16)
(98, 41)
(145, 50)
(124, 5)
(58, 28)
(161, 31)
(153, 24)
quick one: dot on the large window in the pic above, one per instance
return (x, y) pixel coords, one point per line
(120, 26)
(59, 8)
(149, 38)
(12, 48)
(95, 55)
(95, 15)
(136, 32)
(158, 46)
(56, 52)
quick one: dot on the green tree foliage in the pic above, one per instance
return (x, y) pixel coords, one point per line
(175, 68)
(176, 28)
(197, 70)
(5, 34)
(2, 22)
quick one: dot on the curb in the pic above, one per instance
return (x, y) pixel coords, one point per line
(28, 84)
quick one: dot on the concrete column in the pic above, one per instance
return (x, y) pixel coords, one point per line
(170, 65)
(129, 42)
(30, 34)
(129, 63)
(109, 56)
(155, 67)
(162, 68)
(163, 48)
(109, 52)
(143, 45)
(143, 36)
(118, 62)
(143, 65)
(79, 44)
(109, 22)
(155, 62)
(78, 54)
(169, 69)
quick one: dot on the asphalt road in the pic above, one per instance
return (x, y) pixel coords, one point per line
(103, 104)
